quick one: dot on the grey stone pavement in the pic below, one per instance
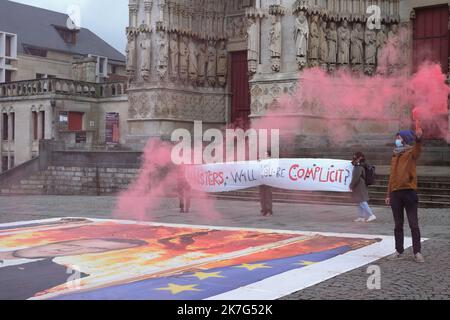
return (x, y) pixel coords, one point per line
(400, 280)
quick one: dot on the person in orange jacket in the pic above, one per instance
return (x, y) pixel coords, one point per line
(402, 191)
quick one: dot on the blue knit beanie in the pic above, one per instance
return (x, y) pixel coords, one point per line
(408, 136)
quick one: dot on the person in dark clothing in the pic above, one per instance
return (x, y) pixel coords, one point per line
(402, 190)
(360, 190)
(27, 272)
(184, 190)
(266, 196)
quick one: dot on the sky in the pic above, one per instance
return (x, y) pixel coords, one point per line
(106, 18)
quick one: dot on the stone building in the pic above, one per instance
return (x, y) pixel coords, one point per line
(224, 62)
(229, 61)
(56, 82)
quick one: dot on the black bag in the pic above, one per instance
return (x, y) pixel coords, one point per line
(370, 174)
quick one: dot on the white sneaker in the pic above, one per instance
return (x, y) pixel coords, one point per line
(419, 258)
(360, 220)
(371, 218)
(396, 257)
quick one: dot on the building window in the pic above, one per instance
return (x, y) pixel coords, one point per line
(8, 43)
(8, 75)
(38, 125)
(42, 133)
(4, 164)
(34, 116)
(6, 121)
(44, 76)
(69, 36)
(75, 120)
(8, 54)
(13, 122)
(33, 51)
(5, 127)
(102, 67)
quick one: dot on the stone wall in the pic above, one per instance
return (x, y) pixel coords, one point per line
(85, 180)
(56, 64)
(75, 181)
(100, 159)
(50, 105)
(325, 26)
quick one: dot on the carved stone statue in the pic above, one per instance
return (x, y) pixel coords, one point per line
(343, 44)
(212, 63)
(174, 56)
(394, 53)
(145, 48)
(393, 33)
(202, 58)
(184, 58)
(323, 44)
(222, 64)
(381, 44)
(314, 40)
(131, 56)
(275, 43)
(193, 62)
(370, 40)
(301, 36)
(163, 58)
(332, 44)
(357, 38)
(252, 46)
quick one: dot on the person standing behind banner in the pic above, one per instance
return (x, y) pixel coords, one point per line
(184, 190)
(360, 190)
(402, 190)
(266, 196)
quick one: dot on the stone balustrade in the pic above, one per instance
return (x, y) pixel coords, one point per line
(62, 86)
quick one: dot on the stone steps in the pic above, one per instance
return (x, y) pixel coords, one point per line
(434, 191)
(376, 157)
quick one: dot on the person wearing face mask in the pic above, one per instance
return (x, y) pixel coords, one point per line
(402, 191)
(360, 189)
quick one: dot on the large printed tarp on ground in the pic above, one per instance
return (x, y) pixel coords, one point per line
(290, 174)
(80, 259)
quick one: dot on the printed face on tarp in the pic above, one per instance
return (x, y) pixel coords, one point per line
(128, 260)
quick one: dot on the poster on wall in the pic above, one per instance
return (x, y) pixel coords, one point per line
(81, 137)
(64, 120)
(112, 133)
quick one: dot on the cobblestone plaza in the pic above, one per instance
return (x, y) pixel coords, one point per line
(399, 280)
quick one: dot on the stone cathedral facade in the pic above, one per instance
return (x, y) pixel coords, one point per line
(186, 58)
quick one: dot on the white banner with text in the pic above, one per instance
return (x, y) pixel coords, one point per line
(288, 174)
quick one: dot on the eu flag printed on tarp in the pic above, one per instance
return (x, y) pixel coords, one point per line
(203, 284)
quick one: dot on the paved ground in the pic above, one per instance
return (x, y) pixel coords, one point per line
(403, 280)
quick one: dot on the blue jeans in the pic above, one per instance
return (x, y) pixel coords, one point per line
(364, 210)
